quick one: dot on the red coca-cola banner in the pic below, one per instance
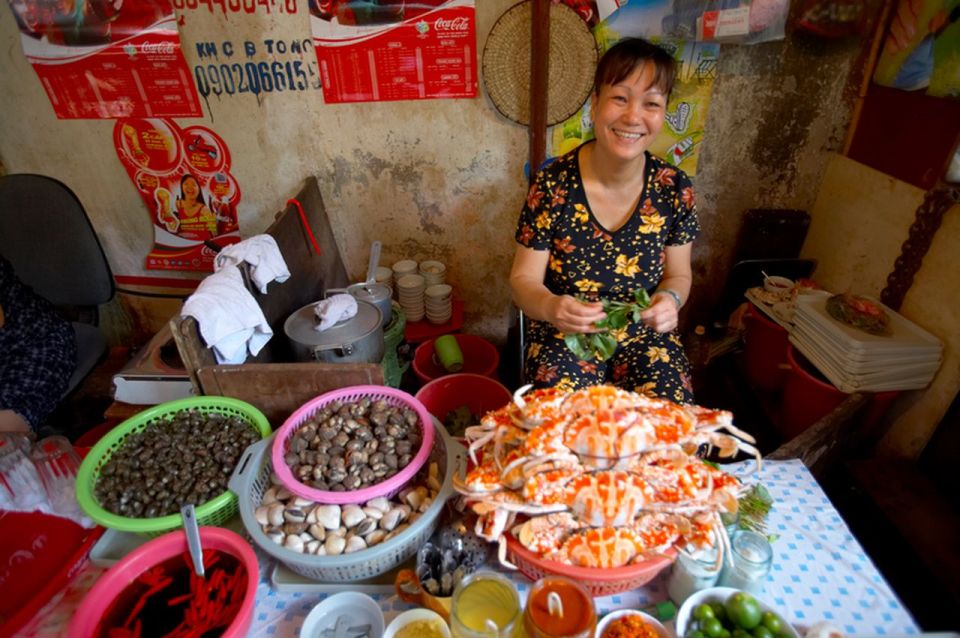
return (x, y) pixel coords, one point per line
(395, 49)
(101, 59)
(183, 176)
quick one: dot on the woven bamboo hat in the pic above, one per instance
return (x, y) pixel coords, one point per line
(506, 63)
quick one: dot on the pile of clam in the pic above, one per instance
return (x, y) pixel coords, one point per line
(304, 526)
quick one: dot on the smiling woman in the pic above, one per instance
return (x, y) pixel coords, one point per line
(602, 223)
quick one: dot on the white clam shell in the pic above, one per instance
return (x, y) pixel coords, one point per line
(262, 514)
(375, 537)
(335, 545)
(373, 512)
(312, 546)
(293, 543)
(276, 536)
(329, 516)
(319, 532)
(381, 503)
(270, 496)
(390, 519)
(275, 514)
(354, 544)
(352, 514)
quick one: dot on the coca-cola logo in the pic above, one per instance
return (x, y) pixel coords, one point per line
(157, 48)
(451, 24)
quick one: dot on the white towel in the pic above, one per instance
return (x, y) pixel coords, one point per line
(263, 255)
(334, 310)
(230, 320)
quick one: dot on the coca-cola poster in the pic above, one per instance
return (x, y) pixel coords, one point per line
(372, 51)
(183, 176)
(100, 59)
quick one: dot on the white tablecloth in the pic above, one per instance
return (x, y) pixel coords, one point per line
(820, 572)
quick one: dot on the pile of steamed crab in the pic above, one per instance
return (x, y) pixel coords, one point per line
(601, 477)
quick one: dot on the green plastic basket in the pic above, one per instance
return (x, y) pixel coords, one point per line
(215, 512)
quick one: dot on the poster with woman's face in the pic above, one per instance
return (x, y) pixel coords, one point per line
(183, 176)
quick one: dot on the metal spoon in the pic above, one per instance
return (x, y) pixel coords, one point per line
(193, 536)
(374, 262)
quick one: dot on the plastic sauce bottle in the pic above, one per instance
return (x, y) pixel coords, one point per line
(558, 607)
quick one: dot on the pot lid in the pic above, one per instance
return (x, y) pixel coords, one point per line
(373, 293)
(299, 327)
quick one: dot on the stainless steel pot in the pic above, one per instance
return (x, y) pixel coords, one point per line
(355, 340)
(378, 294)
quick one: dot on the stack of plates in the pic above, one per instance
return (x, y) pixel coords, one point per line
(856, 361)
(433, 272)
(439, 303)
(410, 295)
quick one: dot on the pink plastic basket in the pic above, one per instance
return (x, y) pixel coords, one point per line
(117, 578)
(389, 487)
(599, 582)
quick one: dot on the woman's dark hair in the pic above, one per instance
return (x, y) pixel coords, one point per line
(628, 54)
(183, 180)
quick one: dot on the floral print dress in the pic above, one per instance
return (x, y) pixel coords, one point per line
(588, 261)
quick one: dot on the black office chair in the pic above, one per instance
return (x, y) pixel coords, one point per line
(46, 234)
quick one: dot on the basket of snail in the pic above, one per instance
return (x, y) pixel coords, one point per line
(136, 478)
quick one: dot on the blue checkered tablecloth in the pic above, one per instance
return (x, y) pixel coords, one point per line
(820, 572)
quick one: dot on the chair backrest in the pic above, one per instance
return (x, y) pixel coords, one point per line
(46, 235)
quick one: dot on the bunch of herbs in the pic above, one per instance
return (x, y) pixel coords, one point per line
(602, 344)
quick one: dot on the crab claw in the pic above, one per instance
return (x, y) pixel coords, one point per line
(518, 395)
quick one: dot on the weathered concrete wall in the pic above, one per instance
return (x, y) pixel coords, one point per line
(778, 109)
(443, 178)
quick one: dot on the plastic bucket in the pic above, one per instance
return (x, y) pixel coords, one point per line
(479, 393)
(479, 357)
(765, 351)
(806, 396)
(117, 578)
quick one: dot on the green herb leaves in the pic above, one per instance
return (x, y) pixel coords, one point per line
(601, 345)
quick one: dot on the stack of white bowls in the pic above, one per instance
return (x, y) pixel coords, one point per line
(433, 272)
(438, 301)
(410, 290)
(384, 275)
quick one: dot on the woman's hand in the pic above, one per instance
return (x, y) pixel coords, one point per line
(570, 315)
(662, 315)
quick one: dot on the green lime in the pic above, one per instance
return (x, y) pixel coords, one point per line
(744, 610)
(703, 611)
(762, 632)
(712, 627)
(772, 622)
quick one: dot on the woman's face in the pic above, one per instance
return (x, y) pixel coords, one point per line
(627, 116)
(190, 188)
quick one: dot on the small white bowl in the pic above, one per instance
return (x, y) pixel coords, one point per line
(360, 608)
(412, 615)
(720, 595)
(620, 613)
(777, 285)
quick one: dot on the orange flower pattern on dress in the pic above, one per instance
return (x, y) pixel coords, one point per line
(589, 261)
(627, 266)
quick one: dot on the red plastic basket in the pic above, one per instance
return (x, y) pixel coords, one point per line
(599, 582)
(389, 487)
(42, 554)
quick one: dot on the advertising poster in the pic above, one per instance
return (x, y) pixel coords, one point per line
(679, 141)
(380, 50)
(922, 49)
(100, 59)
(183, 176)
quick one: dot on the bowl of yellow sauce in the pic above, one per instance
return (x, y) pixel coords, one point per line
(417, 623)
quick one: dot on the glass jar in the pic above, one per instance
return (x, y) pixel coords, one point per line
(691, 573)
(485, 605)
(559, 607)
(752, 558)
